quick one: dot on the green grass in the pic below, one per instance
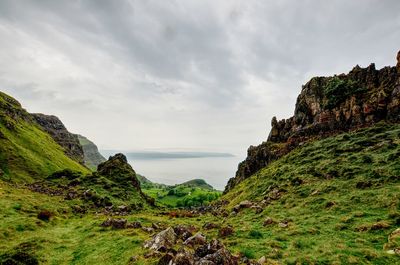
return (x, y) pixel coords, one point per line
(333, 193)
(340, 196)
(26, 151)
(182, 196)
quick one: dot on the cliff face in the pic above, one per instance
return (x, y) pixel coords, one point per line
(92, 157)
(69, 141)
(326, 106)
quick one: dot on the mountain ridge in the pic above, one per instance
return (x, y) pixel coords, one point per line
(328, 106)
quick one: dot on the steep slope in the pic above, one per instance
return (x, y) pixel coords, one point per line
(327, 106)
(69, 141)
(114, 184)
(26, 151)
(91, 154)
(330, 201)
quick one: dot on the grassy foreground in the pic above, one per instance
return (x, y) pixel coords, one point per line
(336, 202)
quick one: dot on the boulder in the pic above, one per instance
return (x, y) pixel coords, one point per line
(134, 225)
(162, 241)
(226, 231)
(166, 259)
(268, 221)
(197, 239)
(184, 232)
(258, 209)
(148, 229)
(242, 205)
(283, 224)
(183, 258)
(393, 245)
(222, 256)
(115, 223)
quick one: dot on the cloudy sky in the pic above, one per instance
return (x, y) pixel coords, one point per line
(203, 75)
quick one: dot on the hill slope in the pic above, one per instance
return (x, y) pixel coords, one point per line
(91, 154)
(334, 200)
(328, 106)
(26, 151)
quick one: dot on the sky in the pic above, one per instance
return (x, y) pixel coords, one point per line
(202, 75)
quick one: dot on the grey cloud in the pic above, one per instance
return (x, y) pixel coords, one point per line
(183, 73)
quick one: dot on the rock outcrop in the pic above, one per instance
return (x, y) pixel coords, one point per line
(69, 141)
(327, 106)
(91, 155)
(118, 170)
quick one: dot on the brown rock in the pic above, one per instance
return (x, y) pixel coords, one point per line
(197, 239)
(209, 226)
(115, 223)
(226, 231)
(268, 221)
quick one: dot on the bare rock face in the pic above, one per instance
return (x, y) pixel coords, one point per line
(69, 141)
(328, 106)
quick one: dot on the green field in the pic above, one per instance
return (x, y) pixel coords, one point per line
(340, 199)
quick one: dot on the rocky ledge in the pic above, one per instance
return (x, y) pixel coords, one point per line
(327, 106)
(69, 141)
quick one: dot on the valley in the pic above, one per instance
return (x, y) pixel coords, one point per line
(324, 188)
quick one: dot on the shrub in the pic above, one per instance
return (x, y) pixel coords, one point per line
(337, 90)
(248, 253)
(255, 234)
(44, 215)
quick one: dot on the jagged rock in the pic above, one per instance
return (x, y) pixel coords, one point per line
(162, 241)
(197, 239)
(69, 141)
(327, 106)
(184, 232)
(115, 223)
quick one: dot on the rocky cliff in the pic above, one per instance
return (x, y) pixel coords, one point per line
(92, 157)
(326, 106)
(69, 141)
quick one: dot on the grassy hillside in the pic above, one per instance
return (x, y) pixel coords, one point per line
(194, 192)
(340, 199)
(332, 201)
(26, 151)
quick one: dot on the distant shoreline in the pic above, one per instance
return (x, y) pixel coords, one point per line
(151, 155)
